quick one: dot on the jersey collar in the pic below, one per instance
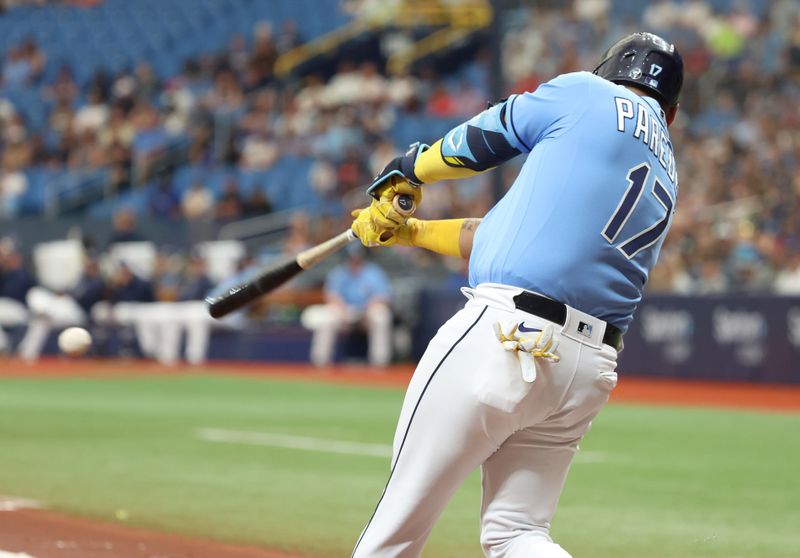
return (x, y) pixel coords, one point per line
(656, 106)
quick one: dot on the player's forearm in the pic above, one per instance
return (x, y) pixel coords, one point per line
(432, 166)
(475, 146)
(449, 237)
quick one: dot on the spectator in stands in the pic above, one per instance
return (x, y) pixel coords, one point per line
(63, 88)
(229, 205)
(288, 37)
(404, 91)
(125, 230)
(86, 152)
(261, 66)
(737, 140)
(372, 86)
(147, 82)
(51, 310)
(17, 152)
(164, 202)
(468, 99)
(237, 55)
(343, 87)
(197, 202)
(195, 284)
(61, 117)
(126, 286)
(299, 237)
(126, 293)
(441, 103)
(260, 150)
(15, 282)
(13, 185)
(17, 70)
(257, 203)
(357, 295)
(227, 96)
(149, 141)
(94, 114)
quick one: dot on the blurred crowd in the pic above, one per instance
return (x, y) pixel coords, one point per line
(737, 141)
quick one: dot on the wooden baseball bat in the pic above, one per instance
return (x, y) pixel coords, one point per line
(273, 275)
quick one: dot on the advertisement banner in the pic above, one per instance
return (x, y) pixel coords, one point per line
(752, 338)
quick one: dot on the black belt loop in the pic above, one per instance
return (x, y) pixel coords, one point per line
(556, 312)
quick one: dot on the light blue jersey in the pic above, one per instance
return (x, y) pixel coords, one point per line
(585, 219)
(358, 288)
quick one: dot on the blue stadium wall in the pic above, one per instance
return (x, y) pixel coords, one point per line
(745, 337)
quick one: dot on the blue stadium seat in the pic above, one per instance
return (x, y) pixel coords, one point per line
(110, 35)
(136, 200)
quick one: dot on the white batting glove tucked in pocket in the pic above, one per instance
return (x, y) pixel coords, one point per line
(528, 348)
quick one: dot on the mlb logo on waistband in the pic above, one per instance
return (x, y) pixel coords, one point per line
(585, 329)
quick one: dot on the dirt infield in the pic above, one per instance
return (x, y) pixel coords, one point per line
(46, 534)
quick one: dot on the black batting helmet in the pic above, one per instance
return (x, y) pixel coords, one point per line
(646, 61)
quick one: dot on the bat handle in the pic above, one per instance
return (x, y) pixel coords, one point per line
(311, 257)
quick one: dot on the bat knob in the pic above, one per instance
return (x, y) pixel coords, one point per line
(404, 204)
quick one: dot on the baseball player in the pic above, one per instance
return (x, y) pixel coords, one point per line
(512, 382)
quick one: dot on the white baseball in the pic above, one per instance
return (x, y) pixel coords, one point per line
(74, 341)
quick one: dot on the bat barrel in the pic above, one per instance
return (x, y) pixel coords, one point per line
(267, 280)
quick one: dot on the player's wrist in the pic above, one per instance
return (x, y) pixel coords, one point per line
(408, 163)
(402, 167)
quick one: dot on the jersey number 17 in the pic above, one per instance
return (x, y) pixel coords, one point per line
(637, 178)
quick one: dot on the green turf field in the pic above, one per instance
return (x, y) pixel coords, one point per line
(652, 483)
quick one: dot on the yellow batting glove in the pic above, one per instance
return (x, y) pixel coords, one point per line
(383, 213)
(368, 232)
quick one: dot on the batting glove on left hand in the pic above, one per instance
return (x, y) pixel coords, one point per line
(368, 232)
(382, 210)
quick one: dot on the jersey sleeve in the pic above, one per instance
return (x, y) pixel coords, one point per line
(504, 130)
(548, 111)
(482, 142)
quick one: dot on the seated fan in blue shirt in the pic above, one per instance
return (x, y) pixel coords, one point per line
(356, 293)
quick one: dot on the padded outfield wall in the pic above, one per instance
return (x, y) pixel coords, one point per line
(753, 338)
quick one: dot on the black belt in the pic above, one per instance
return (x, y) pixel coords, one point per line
(556, 312)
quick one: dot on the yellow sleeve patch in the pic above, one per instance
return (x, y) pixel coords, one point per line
(431, 166)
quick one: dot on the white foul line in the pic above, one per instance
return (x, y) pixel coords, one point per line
(288, 441)
(9, 504)
(4, 554)
(304, 443)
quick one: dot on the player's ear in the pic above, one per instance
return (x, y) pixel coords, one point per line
(670, 113)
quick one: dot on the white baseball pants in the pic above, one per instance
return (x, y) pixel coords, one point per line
(159, 327)
(327, 320)
(467, 406)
